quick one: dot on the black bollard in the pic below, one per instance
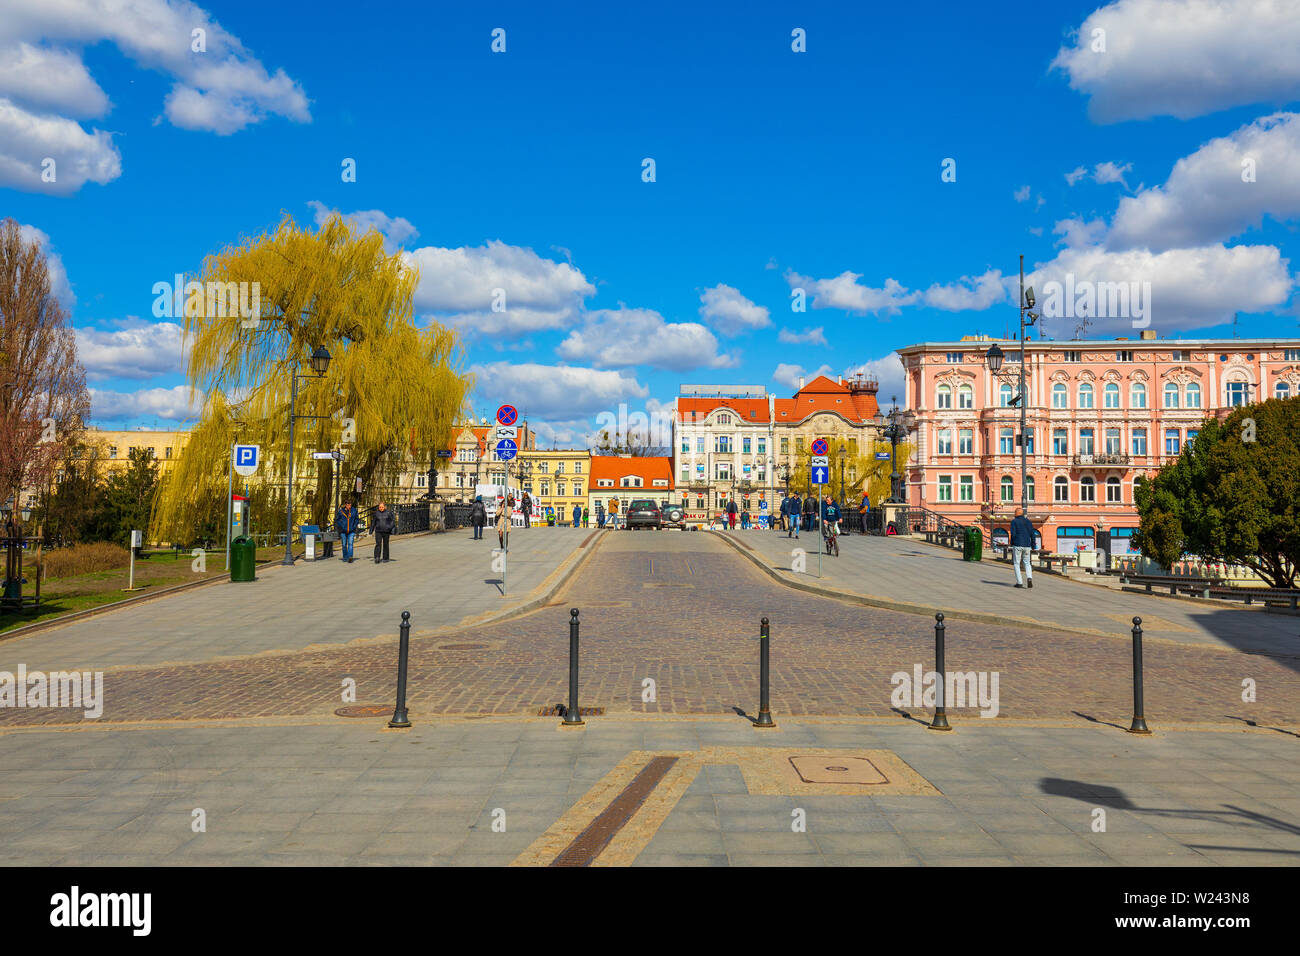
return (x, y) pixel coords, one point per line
(1139, 725)
(764, 676)
(572, 716)
(940, 721)
(400, 720)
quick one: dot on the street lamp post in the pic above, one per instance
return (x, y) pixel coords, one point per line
(994, 358)
(894, 431)
(320, 362)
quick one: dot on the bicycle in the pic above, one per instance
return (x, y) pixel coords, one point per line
(832, 539)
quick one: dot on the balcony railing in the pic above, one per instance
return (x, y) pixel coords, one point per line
(1107, 459)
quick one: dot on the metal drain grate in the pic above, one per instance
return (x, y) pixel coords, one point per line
(559, 710)
(365, 710)
(461, 647)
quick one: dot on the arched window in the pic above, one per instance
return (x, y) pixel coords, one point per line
(1029, 487)
(1008, 488)
(944, 399)
(1087, 489)
(1137, 396)
(1193, 395)
(1282, 390)
(1061, 489)
(1113, 491)
(1112, 395)
(1060, 396)
(1085, 395)
(1171, 395)
(1004, 394)
(965, 397)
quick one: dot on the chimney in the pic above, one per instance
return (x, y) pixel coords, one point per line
(801, 383)
(1148, 335)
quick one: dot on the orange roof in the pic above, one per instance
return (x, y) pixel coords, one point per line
(618, 467)
(749, 409)
(824, 395)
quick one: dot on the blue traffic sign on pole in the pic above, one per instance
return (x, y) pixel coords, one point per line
(506, 449)
(821, 475)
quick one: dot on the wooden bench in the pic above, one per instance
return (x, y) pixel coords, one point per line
(1192, 585)
(1291, 595)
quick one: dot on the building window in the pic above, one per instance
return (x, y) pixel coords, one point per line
(1137, 397)
(785, 446)
(1008, 488)
(1171, 395)
(1171, 441)
(1029, 487)
(169, 452)
(1124, 355)
(1060, 396)
(1191, 436)
(686, 472)
(559, 488)
(1074, 356)
(632, 481)
(762, 446)
(722, 471)
(577, 467)
(1139, 441)
(559, 469)
(965, 397)
(577, 489)
(112, 451)
(546, 488)
(686, 445)
(944, 397)
(1060, 441)
(1085, 395)
(1006, 441)
(1113, 446)
(798, 445)
(722, 445)
(965, 442)
(1005, 394)
(954, 358)
(1282, 390)
(724, 419)
(744, 445)
(543, 466)
(1029, 441)
(1086, 441)
(966, 488)
(1061, 489)
(1193, 395)
(1087, 489)
(1237, 394)
(1291, 355)
(945, 441)
(945, 487)
(699, 446)
(1111, 396)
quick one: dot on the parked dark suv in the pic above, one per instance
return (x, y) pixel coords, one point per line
(644, 513)
(674, 515)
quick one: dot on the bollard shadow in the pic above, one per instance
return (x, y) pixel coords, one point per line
(741, 712)
(499, 582)
(1252, 723)
(1114, 799)
(906, 715)
(1098, 720)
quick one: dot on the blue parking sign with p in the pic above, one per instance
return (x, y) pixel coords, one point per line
(246, 457)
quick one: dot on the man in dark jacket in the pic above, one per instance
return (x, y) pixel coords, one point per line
(345, 523)
(384, 526)
(731, 514)
(528, 510)
(809, 509)
(1022, 546)
(794, 513)
(478, 517)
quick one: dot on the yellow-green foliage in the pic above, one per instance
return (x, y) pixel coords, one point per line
(400, 384)
(871, 474)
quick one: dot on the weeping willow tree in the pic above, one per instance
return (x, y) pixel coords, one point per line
(862, 472)
(390, 394)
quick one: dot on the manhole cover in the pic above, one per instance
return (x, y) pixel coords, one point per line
(559, 710)
(839, 769)
(364, 710)
(461, 647)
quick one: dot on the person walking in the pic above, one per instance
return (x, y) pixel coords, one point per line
(502, 526)
(1022, 546)
(744, 521)
(809, 508)
(528, 509)
(731, 513)
(796, 515)
(600, 515)
(586, 518)
(478, 517)
(613, 513)
(345, 523)
(577, 514)
(384, 526)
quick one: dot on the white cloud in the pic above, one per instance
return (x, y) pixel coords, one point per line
(1109, 172)
(968, 293)
(1021, 194)
(44, 83)
(789, 375)
(134, 349)
(569, 433)
(395, 230)
(888, 371)
(1184, 58)
(59, 285)
(458, 285)
(806, 337)
(623, 337)
(728, 311)
(1074, 176)
(1076, 232)
(555, 391)
(844, 292)
(1205, 199)
(172, 404)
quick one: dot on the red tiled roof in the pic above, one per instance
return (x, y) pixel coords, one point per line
(617, 467)
(749, 409)
(824, 395)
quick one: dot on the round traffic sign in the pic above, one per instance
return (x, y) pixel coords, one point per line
(506, 449)
(507, 415)
(820, 447)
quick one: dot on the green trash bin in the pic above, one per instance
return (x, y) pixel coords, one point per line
(972, 548)
(243, 559)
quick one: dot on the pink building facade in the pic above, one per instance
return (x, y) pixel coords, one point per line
(1100, 414)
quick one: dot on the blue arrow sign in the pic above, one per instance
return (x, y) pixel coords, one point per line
(506, 449)
(820, 475)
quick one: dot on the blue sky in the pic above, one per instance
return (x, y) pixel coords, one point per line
(775, 170)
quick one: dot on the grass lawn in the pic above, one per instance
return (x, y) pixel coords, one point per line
(162, 569)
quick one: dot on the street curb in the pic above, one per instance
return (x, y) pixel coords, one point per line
(922, 610)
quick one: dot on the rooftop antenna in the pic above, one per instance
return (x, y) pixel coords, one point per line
(1235, 317)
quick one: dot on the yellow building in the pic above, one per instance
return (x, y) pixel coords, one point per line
(559, 479)
(115, 447)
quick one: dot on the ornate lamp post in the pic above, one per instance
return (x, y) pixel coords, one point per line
(895, 432)
(994, 358)
(320, 362)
